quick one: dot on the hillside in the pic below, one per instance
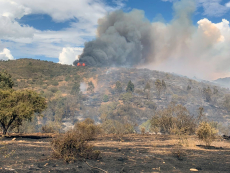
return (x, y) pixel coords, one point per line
(74, 93)
(225, 82)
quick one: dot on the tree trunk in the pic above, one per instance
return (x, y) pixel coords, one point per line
(4, 131)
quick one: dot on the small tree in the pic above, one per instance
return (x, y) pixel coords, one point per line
(142, 130)
(226, 102)
(16, 106)
(105, 98)
(147, 86)
(206, 133)
(163, 85)
(118, 87)
(155, 124)
(188, 88)
(6, 81)
(158, 85)
(207, 94)
(215, 90)
(130, 87)
(76, 88)
(90, 86)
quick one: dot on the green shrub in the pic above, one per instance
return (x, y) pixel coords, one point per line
(151, 105)
(44, 87)
(118, 86)
(67, 78)
(54, 83)
(126, 97)
(105, 98)
(206, 133)
(53, 89)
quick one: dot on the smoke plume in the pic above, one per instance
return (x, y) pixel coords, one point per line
(129, 39)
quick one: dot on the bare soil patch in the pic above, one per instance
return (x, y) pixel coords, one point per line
(131, 153)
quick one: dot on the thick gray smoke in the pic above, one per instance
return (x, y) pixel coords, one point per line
(129, 39)
(123, 39)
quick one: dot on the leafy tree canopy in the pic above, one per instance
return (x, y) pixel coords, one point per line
(130, 87)
(16, 106)
(5, 80)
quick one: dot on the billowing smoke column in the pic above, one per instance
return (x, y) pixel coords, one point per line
(124, 39)
(129, 39)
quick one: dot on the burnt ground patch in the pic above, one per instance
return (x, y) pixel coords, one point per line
(130, 153)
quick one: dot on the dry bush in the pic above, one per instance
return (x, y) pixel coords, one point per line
(178, 152)
(142, 130)
(72, 146)
(206, 133)
(47, 129)
(87, 129)
(117, 128)
(175, 119)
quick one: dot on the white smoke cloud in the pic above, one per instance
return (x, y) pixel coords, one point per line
(192, 50)
(6, 55)
(69, 55)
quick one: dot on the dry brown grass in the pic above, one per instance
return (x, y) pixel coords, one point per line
(74, 144)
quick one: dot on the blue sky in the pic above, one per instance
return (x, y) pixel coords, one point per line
(56, 30)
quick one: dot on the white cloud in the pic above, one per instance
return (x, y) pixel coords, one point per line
(6, 55)
(227, 4)
(213, 7)
(210, 7)
(27, 41)
(69, 55)
(61, 10)
(10, 29)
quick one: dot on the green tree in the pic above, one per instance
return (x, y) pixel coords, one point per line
(118, 87)
(207, 94)
(90, 86)
(189, 88)
(215, 90)
(130, 87)
(76, 88)
(206, 133)
(158, 85)
(16, 106)
(105, 98)
(163, 85)
(147, 86)
(155, 124)
(226, 102)
(5, 80)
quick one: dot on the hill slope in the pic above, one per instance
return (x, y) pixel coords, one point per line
(60, 84)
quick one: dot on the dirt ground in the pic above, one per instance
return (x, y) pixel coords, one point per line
(131, 153)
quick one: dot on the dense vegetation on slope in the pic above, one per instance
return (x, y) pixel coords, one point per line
(75, 93)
